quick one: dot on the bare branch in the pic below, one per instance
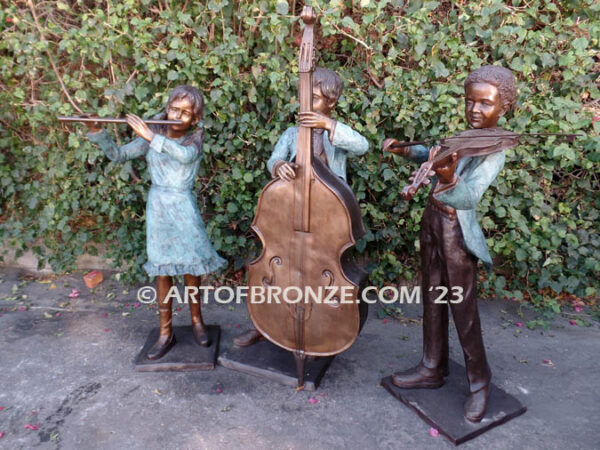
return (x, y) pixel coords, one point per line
(54, 68)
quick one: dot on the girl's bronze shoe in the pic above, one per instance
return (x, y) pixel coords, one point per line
(162, 346)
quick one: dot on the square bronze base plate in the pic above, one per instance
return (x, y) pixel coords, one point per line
(443, 408)
(267, 360)
(185, 355)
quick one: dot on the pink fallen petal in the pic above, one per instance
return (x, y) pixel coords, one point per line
(519, 324)
(219, 390)
(572, 322)
(595, 119)
(22, 308)
(74, 293)
(178, 308)
(127, 305)
(105, 315)
(384, 320)
(433, 432)
(578, 309)
(2, 433)
(1, 408)
(238, 326)
(106, 330)
(136, 304)
(313, 400)
(28, 426)
(58, 314)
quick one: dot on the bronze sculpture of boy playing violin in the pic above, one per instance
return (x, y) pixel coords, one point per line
(452, 241)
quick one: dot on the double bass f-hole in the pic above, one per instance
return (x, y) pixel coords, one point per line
(268, 281)
(334, 301)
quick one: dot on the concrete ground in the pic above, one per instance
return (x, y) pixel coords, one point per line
(68, 380)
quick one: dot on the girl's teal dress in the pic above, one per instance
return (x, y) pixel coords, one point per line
(176, 240)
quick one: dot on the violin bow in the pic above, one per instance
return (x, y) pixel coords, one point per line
(569, 136)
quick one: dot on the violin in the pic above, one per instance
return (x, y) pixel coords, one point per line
(474, 142)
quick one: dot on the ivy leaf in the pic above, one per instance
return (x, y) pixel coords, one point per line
(517, 64)
(141, 92)
(440, 69)
(348, 22)
(520, 254)
(547, 60)
(420, 47)
(282, 7)
(580, 44)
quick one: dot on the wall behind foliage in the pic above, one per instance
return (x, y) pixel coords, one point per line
(403, 63)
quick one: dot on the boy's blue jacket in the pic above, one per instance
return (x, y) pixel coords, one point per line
(346, 142)
(475, 174)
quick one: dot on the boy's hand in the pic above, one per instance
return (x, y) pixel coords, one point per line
(316, 120)
(388, 146)
(140, 127)
(286, 170)
(93, 127)
(445, 169)
(426, 181)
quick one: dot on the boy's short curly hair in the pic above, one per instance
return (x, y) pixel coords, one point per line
(330, 83)
(498, 76)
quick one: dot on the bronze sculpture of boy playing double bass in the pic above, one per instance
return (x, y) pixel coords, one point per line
(333, 142)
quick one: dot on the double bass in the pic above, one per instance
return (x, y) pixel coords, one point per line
(307, 227)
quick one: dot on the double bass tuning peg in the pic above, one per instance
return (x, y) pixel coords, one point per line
(308, 15)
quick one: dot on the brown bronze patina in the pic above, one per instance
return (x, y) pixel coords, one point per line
(307, 218)
(451, 240)
(396, 147)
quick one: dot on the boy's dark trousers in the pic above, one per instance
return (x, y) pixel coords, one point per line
(446, 262)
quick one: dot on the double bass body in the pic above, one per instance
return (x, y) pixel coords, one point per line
(317, 258)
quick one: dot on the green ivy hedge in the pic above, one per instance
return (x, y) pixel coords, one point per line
(403, 63)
